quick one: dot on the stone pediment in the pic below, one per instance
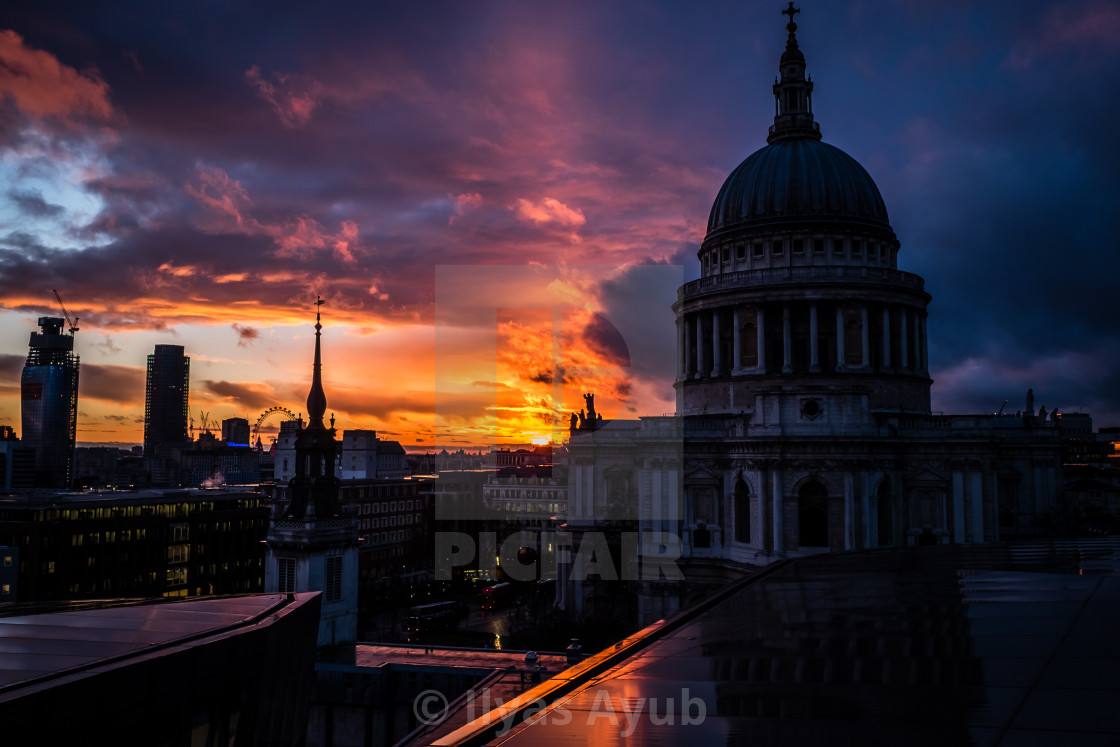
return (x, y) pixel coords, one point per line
(926, 474)
(702, 474)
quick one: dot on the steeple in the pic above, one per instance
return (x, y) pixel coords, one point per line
(793, 92)
(316, 398)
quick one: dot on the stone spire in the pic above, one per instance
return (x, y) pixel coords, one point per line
(793, 92)
(316, 398)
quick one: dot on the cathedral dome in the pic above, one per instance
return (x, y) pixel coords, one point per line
(801, 179)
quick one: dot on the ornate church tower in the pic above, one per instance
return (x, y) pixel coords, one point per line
(312, 544)
(801, 315)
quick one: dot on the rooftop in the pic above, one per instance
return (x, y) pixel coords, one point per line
(990, 645)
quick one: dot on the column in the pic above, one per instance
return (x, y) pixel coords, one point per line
(699, 344)
(760, 333)
(682, 348)
(776, 497)
(715, 344)
(977, 490)
(915, 344)
(814, 339)
(688, 351)
(849, 510)
(958, 507)
(925, 345)
(886, 338)
(903, 357)
(865, 362)
(787, 341)
(841, 354)
(736, 352)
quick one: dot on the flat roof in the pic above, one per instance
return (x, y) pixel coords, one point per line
(991, 645)
(38, 648)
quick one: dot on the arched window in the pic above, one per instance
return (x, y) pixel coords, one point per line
(742, 512)
(812, 516)
(883, 500)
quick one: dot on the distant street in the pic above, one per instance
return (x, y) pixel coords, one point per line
(481, 628)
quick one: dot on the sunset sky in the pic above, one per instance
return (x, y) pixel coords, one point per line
(498, 200)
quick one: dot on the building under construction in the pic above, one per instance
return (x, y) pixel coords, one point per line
(49, 390)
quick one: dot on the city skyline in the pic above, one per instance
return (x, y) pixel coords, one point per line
(203, 200)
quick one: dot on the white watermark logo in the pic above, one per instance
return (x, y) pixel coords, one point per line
(430, 707)
(607, 710)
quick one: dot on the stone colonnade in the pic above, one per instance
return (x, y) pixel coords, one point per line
(802, 336)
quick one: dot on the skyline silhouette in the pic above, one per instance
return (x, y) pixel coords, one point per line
(203, 200)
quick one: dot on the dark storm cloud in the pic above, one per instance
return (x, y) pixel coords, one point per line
(605, 339)
(121, 384)
(252, 396)
(11, 366)
(30, 202)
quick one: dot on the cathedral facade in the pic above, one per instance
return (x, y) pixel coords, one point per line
(803, 420)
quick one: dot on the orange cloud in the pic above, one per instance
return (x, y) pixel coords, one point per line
(43, 87)
(294, 98)
(549, 210)
(299, 236)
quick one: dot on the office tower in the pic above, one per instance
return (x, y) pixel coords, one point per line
(49, 392)
(235, 431)
(165, 398)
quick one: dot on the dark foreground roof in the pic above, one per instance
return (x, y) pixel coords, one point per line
(917, 646)
(225, 668)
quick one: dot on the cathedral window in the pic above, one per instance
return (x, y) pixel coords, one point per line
(818, 246)
(286, 574)
(740, 252)
(812, 516)
(726, 255)
(748, 349)
(857, 248)
(742, 512)
(838, 247)
(333, 588)
(798, 246)
(778, 247)
(853, 341)
(756, 250)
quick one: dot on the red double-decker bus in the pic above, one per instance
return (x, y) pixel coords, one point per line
(498, 595)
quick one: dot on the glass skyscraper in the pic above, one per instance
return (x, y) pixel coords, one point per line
(49, 393)
(166, 398)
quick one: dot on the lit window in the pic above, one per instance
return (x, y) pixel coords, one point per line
(7, 560)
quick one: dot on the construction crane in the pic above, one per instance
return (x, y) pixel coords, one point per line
(71, 323)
